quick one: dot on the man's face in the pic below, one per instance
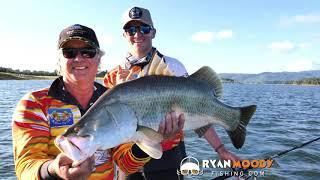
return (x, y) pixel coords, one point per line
(79, 61)
(139, 43)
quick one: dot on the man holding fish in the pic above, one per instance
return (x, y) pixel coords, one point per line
(143, 59)
(42, 115)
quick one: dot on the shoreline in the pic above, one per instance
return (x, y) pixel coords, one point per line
(13, 76)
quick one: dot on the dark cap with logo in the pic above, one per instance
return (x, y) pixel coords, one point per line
(137, 14)
(79, 32)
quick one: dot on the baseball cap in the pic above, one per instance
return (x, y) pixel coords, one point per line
(79, 32)
(137, 14)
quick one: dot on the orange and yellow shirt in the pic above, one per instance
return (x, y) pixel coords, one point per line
(42, 115)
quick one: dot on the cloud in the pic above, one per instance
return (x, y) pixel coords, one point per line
(202, 37)
(287, 46)
(311, 18)
(302, 65)
(207, 36)
(225, 34)
(304, 45)
(282, 46)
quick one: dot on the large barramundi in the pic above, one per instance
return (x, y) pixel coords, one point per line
(132, 112)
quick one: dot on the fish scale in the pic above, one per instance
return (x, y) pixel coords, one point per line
(162, 93)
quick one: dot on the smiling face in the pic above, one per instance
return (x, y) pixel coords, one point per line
(139, 44)
(81, 67)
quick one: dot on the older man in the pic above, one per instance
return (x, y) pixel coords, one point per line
(42, 115)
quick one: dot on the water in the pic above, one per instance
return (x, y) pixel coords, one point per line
(286, 116)
(11, 91)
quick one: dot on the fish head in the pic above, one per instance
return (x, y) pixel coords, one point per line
(101, 128)
(76, 147)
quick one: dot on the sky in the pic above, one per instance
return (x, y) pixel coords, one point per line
(239, 36)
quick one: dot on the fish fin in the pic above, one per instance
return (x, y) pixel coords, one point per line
(154, 150)
(120, 113)
(148, 141)
(122, 123)
(238, 135)
(206, 74)
(149, 133)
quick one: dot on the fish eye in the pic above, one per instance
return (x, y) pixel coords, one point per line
(76, 129)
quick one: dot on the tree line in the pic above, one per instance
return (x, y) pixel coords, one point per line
(38, 73)
(304, 81)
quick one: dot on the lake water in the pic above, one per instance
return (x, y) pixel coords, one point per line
(286, 117)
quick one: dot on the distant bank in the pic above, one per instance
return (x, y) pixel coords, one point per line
(17, 74)
(294, 78)
(13, 76)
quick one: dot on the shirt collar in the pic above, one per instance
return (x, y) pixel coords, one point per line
(57, 91)
(141, 62)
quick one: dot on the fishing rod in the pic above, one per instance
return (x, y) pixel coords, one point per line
(296, 147)
(270, 157)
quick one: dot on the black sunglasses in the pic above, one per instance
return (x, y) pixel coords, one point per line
(71, 53)
(143, 29)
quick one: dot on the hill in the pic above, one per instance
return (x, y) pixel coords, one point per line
(267, 77)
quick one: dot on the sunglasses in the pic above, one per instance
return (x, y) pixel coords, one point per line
(143, 29)
(71, 53)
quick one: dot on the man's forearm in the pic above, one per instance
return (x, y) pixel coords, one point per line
(213, 139)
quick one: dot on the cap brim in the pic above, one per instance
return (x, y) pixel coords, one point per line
(137, 20)
(78, 38)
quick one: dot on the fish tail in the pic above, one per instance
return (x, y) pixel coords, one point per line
(238, 135)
